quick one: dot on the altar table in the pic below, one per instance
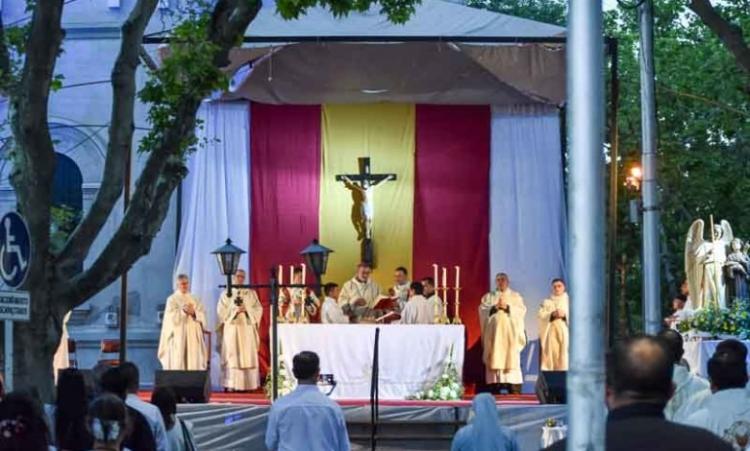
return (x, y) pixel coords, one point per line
(412, 357)
(697, 353)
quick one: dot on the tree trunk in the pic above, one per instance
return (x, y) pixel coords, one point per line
(35, 343)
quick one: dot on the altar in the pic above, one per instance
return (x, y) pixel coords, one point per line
(412, 357)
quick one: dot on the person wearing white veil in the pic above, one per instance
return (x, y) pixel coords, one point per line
(484, 431)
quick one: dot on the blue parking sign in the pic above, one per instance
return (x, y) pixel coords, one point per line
(15, 249)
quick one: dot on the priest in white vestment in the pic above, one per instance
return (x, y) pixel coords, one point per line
(239, 317)
(726, 412)
(331, 312)
(359, 294)
(501, 316)
(686, 385)
(553, 329)
(61, 360)
(301, 303)
(401, 287)
(418, 309)
(181, 345)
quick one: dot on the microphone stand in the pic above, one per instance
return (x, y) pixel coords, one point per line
(375, 392)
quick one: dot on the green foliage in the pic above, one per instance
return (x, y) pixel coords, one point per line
(63, 221)
(447, 387)
(714, 321)
(548, 11)
(397, 11)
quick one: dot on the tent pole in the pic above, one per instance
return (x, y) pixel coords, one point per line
(651, 281)
(586, 214)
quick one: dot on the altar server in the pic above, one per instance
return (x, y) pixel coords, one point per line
(401, 286)
(501, 316)
(360, 293)
(686, 385)
(553, 329)
(332, 313)
(418, 310)
(726, 412)
(239, 317)
(429, 292)
(181, 345)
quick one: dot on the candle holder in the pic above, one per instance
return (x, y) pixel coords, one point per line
(444, 316)
(456, 305)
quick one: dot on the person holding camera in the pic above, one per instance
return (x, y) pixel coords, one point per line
(239, 317)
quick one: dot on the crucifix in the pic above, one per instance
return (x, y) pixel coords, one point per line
(362, 186)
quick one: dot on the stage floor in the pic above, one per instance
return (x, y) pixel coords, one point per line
(238, 421)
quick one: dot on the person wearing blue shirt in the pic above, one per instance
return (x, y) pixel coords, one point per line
(306, 419)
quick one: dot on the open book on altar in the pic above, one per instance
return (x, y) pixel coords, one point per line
(386, 303)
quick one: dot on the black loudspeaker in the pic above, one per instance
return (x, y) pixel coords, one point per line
(188, 386)
(550, 387)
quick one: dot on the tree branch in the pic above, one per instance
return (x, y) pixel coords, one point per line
(164, 167)
(33, 154)
(728, 33)
(5, 66)
(120, 142)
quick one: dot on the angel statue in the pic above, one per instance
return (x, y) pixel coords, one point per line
(737, 269)
(704, 263)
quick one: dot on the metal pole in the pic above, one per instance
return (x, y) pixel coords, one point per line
(274, 338)
(651, 282)
(124, 278)
(614, 154)
(585, 87)
(8, 356)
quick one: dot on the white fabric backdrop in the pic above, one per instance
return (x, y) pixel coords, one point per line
(215, 203)
(528, 224)
(412, 357)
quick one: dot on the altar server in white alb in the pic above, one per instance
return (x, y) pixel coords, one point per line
(501, 315)
(553, 329)
(418, 310)
(360, 293)
(331, 311)
(239, 317)
(401, 286)
(181, 345)
(431, 294)
(686, 384)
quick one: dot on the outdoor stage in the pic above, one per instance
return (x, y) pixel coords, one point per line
(238, 421)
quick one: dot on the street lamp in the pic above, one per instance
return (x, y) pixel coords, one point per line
(316, 257)
(228, 257)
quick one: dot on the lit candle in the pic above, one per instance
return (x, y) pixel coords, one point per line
(304, 274)
(281, 275)
(291, 274)
(458, 277)
(435, 279)
(445, 277)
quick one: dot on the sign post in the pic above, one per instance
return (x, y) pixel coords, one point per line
(15, 260)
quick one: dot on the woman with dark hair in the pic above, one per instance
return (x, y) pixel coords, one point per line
(67, 418)
(108, 422)
(22, 425)
(179, 432)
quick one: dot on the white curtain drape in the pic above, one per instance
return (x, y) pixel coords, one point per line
(527, 204)
(215, 203)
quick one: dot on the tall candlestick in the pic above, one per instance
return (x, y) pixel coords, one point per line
(445, 277)
(281, 318)
(457, 304)
(458, 276)
(291, 274)
(435, 279)
(304, 274)
(281, 275)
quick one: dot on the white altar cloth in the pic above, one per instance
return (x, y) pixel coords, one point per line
(412, 357)
(697, 353)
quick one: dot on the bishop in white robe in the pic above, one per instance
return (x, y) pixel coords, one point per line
(553, 329)
(181, 345)
(501, 316)
(359, 294)
(239, 317)
(418, 310)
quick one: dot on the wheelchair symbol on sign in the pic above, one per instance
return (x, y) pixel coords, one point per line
(14, 249)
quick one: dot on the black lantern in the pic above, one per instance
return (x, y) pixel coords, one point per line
(316, 257)
(228, 257)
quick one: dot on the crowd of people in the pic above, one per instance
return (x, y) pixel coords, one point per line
(100, 414)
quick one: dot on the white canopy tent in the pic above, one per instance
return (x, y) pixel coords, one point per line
(446, 53)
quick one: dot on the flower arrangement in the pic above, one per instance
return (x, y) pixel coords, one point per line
(448, 386)
(286, 384)
(713, 321)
